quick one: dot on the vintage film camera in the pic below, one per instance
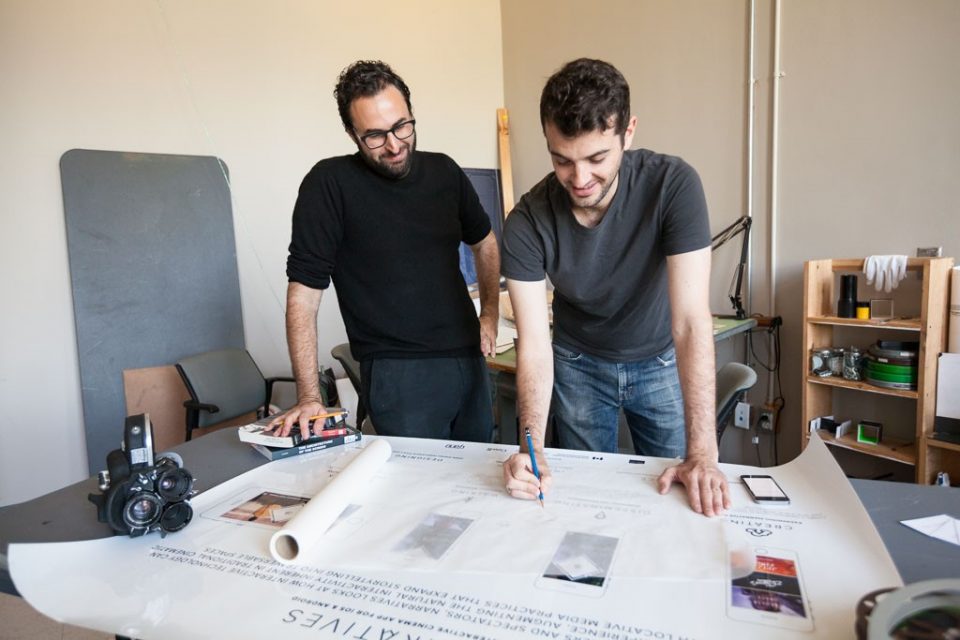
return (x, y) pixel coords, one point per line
(140, 493)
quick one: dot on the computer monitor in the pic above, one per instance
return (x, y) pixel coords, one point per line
(486, 182)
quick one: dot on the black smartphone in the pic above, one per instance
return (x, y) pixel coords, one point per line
(765, 490)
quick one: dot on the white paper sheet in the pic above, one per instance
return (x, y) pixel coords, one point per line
(434, 549)
(948, 384)
(941, 527)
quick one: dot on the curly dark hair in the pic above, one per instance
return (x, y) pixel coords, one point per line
(583, 95)
(362, 79)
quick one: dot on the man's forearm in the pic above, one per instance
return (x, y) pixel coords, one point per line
(486, 258)
(697, 368)
(302, 305)
(534, 356)
(534, 387)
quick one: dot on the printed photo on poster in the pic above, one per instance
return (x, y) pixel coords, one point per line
(580, 564)
(773, 594)
(433, 536)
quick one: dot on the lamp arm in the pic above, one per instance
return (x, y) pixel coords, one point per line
(740, 225)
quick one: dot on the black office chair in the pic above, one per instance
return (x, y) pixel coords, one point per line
(733, 382)
(345, 357)
(224, 384)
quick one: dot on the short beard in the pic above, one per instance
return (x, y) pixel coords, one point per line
(392, 171)
(603, 193)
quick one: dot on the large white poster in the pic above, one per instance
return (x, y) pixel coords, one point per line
(432, 548)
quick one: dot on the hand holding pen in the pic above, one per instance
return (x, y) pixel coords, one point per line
(526, 474)
(533, 464)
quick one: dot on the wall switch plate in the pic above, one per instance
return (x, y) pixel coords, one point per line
(741, 415)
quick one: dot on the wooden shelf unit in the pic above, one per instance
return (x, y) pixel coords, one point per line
(843, 383)
(928, 456)
(896, 450)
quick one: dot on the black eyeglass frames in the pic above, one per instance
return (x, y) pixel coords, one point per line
(400, 131)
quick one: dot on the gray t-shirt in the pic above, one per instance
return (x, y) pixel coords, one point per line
(610, 298)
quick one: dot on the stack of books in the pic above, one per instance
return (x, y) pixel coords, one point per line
(335, 433)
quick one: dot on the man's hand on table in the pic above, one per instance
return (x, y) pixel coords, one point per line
(707, 490)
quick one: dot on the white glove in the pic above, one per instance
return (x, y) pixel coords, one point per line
(870, 268)
(883, 269)
(885, 272)
(896, 272)
(875, 267)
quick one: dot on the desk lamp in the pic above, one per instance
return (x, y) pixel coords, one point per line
(740, 225)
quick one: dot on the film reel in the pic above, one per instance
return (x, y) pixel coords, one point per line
(928, 610)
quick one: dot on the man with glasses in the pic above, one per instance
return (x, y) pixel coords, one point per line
(385, 225)
(625, 239)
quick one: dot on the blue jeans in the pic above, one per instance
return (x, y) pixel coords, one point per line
(443, 398)
(589, 392)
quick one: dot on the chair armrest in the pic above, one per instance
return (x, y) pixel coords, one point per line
(269, 382)
(201, 406)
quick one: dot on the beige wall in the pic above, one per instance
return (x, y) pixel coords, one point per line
(870, 143)
(250, 82)
(685, 65)
(869, 133)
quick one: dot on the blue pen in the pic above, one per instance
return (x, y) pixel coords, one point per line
(533, 462)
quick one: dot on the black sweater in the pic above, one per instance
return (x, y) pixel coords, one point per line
(391, 248)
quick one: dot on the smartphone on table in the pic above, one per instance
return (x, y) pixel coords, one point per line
(765, 490)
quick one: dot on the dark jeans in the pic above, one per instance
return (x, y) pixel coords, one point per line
(444, 398)
(589, 392)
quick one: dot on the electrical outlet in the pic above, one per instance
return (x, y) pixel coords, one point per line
(741, 415)
(768, 416)
(766, 420)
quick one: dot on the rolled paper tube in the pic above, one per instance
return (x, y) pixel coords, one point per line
(306, 529)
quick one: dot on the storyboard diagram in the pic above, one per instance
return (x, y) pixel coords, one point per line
(421, 542)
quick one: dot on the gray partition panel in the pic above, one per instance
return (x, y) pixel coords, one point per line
(154, 271)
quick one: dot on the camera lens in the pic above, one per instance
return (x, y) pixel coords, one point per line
(176, 516)
(142, 510)
(174, 484)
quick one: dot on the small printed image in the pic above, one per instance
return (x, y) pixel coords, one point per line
(434, 535)
(774, 588)
(267, 508)
(582, 558)
(578, 568)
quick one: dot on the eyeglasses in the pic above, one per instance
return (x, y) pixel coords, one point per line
(400, 131)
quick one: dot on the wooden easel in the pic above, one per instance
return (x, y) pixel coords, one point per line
(506, 171)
